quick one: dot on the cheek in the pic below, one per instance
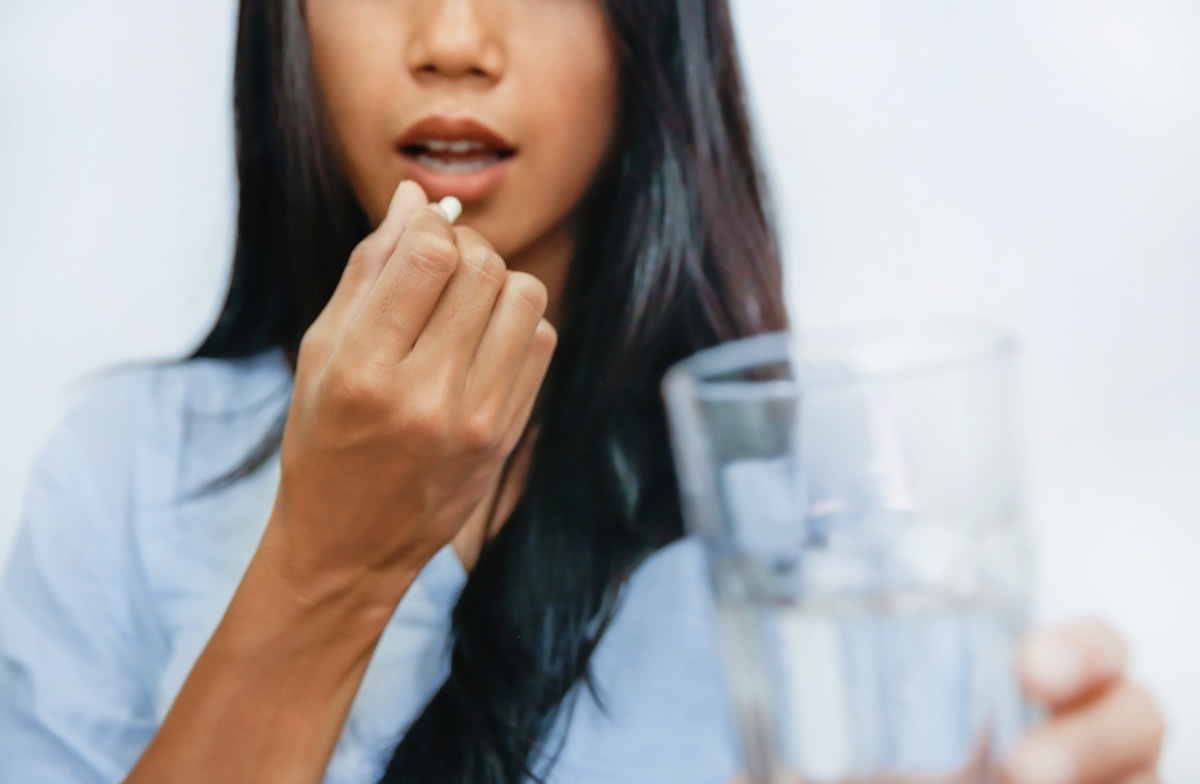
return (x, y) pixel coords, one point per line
(578, 111)
(355, 83)
(568, 107)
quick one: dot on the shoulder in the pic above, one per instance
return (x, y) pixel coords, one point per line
(105, 518)
(134, 437)
(133, 397)
(220, 387)
(133, 420)
(84, 629)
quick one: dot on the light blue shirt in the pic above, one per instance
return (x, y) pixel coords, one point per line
(115, 585)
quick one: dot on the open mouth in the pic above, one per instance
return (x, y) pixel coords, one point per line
(455, 156)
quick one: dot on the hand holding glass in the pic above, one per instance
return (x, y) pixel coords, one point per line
(858, 495)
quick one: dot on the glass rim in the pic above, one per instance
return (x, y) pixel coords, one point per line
(977, 340)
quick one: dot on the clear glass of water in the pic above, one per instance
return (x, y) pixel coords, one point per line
(858, 492)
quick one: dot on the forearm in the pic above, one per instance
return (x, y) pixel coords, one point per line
(267, 698)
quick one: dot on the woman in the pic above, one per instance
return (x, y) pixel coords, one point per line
(379, 382)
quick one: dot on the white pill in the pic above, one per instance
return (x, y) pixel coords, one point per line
(452, 207)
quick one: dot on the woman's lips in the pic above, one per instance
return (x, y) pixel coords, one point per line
(468, 180)
(455, 157)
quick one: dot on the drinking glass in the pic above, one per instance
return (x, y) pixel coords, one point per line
(858, 493)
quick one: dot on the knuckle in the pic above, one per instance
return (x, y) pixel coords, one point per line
(365, 253)
(426, 420)
(546, 336)
(367, 258)
(491, 267)
(479, 255)
(465, 235)
(480, 432)
(529, 292)
(313, 347)
(433, 254)
(359, 253)
(363, 249)
(353, 388)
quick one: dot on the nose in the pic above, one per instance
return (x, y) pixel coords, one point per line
(456, 39)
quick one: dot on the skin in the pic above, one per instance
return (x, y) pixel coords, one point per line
(404, 418)
(541, 73)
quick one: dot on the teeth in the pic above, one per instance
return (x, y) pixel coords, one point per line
(453, 147)
(455, 167)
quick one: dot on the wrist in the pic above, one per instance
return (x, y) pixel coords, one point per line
(313, 616)
(270, 619)
(269, 695)
(313, 582)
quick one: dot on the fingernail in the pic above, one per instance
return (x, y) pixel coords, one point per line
(1055, 666)
(1042, 763)
(452, 208)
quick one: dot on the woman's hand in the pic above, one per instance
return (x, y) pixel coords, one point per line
(1103, 729)
(412, 389)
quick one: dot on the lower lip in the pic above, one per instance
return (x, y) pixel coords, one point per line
(466, 186)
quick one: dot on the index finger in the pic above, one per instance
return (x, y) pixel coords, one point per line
(399, 305)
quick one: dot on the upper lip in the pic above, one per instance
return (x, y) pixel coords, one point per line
(445, 128)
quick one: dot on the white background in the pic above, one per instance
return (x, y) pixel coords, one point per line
(1033, 162)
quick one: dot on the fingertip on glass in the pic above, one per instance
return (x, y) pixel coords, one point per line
(1055, 668)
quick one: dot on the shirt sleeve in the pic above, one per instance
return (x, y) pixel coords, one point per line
(76, 641)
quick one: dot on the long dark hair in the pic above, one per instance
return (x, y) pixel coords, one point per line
(676, 254)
